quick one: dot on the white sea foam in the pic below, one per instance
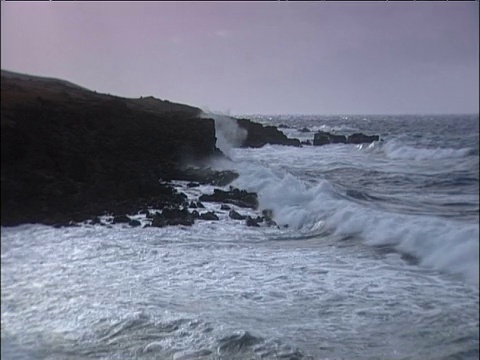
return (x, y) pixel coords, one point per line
(442, 244)
(395, 150)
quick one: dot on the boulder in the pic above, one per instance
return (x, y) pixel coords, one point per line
(134, 223)
(259, 135)
(236, 216)
(173, 216)
(321, 139)
(210, 215)
(121, 219)
(252, 222)
(234, 196)
(304, 130)
(359, 138)
(225, 207)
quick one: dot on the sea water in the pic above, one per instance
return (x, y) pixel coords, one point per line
(375, 256)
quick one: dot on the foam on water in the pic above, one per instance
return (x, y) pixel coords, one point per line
(395, 149)
(439, 243)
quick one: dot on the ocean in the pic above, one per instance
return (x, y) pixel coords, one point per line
(376, 256)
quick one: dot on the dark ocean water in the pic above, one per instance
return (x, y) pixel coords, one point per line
(376, 257)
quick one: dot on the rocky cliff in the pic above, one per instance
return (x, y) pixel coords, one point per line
(67, 151)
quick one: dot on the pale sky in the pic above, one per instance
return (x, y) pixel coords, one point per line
(257, 57)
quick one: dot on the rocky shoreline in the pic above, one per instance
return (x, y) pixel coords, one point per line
(71, 155)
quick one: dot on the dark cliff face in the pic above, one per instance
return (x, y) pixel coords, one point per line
(66, 149)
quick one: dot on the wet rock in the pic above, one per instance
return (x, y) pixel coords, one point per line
(252, 222)
(95, 221)
(192, 205)
(338, 139)
(121, 219)
(268, 216)
(210, 215)
(321, 138)
(145, 212)
(259, 135)
(306, 142)
(234, 196)
(225, 207)
(236, 216)
(193, 184)
(134, 223)
(304, 130)
(359, 138)
(200, 205)
(170, 217)
(205, 176)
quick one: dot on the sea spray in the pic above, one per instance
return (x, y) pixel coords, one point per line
(228, 133)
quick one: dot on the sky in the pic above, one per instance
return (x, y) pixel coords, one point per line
(274, 57)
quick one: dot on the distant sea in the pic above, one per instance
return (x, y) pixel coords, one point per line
(376, 256)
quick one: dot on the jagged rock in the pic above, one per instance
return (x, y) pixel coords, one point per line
(359, 138)
(234, 196)
(259, 135)
(210, 215)
(192, 205)
(145, 212)
(134, 223)
(193, 184)
(121, 219)
(304, 130)
(236, 216)
(323, 138)
(338, 139)
(225, 207)
(252, 222)
(268, 216)
(173, 217)
(205, 176)
(95, 221)
(200, 205)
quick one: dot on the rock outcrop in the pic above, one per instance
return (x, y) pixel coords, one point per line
(259, 135)
(324, 138)
(68, 153)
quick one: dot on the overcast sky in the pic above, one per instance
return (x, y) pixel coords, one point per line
(257, 57)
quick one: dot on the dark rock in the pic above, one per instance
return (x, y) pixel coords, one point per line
(170, 217)
(200, 205)
(193, 184)
(236, 216)
(259, 219)
(95, 221)
(252, 222)
(259, 135)
(234, 196)
(205, 176)
(145, 212)
(192, 205)
(338, 139)
(195, 214)
(359, 138)
(268, 216)
(225, 207)
(306, 142)
(304, 130)
(321, 139)
(121, 219)
(210, 215)
(134, 223)
(81, 152)
(283, 126)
